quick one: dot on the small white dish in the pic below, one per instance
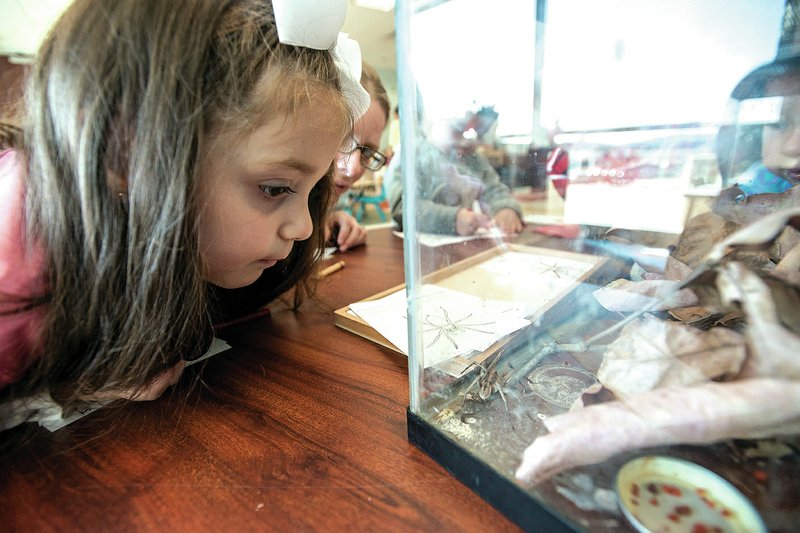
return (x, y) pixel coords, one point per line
(660, 494)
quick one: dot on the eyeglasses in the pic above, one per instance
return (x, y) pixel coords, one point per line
(372, 159)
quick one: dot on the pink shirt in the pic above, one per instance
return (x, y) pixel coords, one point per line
(21, 273)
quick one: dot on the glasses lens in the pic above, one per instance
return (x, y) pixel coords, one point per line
(372, 159)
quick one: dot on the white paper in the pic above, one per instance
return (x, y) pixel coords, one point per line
(453, 323)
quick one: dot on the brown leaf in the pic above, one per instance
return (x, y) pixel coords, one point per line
(758, 234)
(676, 270)
(652, 295)
(787, 302)
(704, 318)
(690, 314)
(729, 205)
(787, 241)
(650, 353)
(773, 349)
(790, 261)
(700, 235)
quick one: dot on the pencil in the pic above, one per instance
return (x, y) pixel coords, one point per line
(327, 271)
(476, 207)
(264, 311)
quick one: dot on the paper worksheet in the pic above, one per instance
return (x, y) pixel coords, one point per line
(453, 322)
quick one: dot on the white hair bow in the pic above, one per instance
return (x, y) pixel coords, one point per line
(316, 24)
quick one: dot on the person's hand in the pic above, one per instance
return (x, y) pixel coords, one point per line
(508, 221)
(350, 234)
(468, 221)
(151, 391)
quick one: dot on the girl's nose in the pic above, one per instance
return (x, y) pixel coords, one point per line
(298, 225)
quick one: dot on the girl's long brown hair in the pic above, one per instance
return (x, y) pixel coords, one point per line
(121, 102)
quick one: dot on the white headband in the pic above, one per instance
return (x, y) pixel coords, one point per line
(315, 24)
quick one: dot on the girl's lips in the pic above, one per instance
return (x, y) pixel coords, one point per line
(790, 174)
(793, 174)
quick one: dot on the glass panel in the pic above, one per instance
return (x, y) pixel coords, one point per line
(602, 257)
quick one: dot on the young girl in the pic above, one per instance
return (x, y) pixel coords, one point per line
(171, 151)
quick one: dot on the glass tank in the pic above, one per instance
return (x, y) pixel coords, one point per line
(602, 257)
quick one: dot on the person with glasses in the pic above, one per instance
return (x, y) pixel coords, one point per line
(343, 229)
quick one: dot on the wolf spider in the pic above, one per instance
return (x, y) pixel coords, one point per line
(487, 382)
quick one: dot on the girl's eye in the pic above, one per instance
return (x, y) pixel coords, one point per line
(275, 191)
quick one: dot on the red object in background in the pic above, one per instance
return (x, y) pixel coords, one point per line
(557, 166)
(557, 161)
(620, 166)
(560, 183)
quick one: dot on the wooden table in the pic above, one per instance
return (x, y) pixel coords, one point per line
(301, 426)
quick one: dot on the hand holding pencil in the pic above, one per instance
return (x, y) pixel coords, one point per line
(469, 220)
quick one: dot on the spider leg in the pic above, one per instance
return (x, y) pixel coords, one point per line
(505, 402)
(471, 328)
(436, 338)
(447, 334)
(466, 392)
(446, 316)
(460, 320)
(430, 322)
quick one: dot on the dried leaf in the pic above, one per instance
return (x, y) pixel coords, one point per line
(729, 205)
(759, 233)
(790, 261)
(700, 235)
(773, 349)
(690, 314)
(704, 318)
(790, 278)
(652, 295)
(787, 303)
(787, 241)
(651, 353)
(676, 270)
